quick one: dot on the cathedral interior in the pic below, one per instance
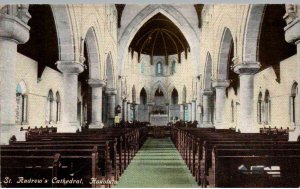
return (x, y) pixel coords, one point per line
(91, 68)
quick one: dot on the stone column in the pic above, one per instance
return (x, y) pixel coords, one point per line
(111, 102)
(169, 113)
(70, 70)
(133, 111)
(207, 108)
(128, 111)
(181, 112)
(220, 87)
(124, 112)
(194, 110)
(136, 112)
(119, 94)
(13, 31)
(97, 86)
(246, 73)
(292, 35)
(150, 104)
(190, 111)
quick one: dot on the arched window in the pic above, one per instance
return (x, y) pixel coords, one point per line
(174, 97)
(159, 68)
(293, 102)
(232, 111)
(173, 67)
(142, 67)
(21, 99)
(259, 108)
(50, 108)
(267, 108)
(58, 107)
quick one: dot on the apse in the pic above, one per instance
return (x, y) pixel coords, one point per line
(159, 36)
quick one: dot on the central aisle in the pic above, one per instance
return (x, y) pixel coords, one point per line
(157, 164)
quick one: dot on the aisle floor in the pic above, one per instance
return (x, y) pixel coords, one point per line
(157, 164)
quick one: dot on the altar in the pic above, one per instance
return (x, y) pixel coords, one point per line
(159, 119)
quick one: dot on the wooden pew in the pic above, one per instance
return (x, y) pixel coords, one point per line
(50, 164)
(232, 167)
(194, 146)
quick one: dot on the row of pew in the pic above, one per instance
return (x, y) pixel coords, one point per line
(91, 158)
(225, 158)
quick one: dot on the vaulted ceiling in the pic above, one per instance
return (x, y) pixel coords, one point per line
(159, 36)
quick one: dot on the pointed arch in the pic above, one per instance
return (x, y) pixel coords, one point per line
(21, 87)
(143, 96)
(224, 51)
(252, 32)
(174, 97)
(21, 103)
(50, 107)
(161, 86)
(93, 55)
(143, 16)
(110, 72)
(267, 107)
(58, 107)
(259, 108)
(208, 72)
(64, 32)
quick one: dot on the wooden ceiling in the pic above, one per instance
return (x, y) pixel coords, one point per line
(159, 36)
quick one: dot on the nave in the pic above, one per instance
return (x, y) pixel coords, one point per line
(179, 155)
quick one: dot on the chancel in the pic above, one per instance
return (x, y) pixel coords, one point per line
(150, 95)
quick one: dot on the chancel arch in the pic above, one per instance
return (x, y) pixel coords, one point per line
(146, 14)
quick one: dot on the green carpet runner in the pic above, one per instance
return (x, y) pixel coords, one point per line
(157, 164)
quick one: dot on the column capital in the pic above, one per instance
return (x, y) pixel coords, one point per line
(207, 92)
(70, 67)
(292, 31)
(247, 68)
(96, 83)
(13, 28)
(110, 91)
(220, 83)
